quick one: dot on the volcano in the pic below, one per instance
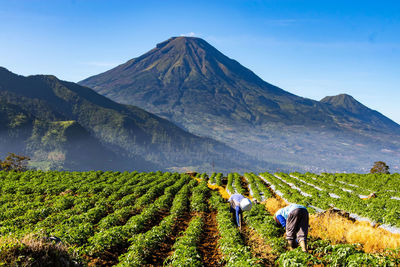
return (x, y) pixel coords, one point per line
(189, 82)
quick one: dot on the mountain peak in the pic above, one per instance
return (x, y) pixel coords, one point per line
(337, 97)
(180, 39)
(185, 72)
(176, 66)
(190, 47)
(344, 101)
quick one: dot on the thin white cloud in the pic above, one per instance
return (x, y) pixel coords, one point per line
(189, 34)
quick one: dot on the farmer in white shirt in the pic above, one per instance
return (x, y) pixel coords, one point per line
(239, 204)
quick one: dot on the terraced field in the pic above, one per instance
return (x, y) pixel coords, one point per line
(171, 219)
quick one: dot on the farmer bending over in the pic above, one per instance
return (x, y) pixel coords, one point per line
(239, 204)
(295, 219)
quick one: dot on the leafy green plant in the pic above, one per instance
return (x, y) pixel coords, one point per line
(297, 258)
(141, 245)
(197, 202)
(235, 253)
(185, 248)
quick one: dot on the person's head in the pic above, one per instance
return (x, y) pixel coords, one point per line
(245, 204)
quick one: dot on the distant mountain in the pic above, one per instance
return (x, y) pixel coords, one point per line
(352, 108)
(188, 81)
(346, 102)
(65, 125)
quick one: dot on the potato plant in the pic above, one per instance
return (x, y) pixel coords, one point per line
(235, 253)
(263, 223)
(198, 202)
(328, 192)
(141, 245)
(229, 185)
(218, 179)
(253, 186)
(185, 248)
(238, 184)
(323, 253)
(128, 215)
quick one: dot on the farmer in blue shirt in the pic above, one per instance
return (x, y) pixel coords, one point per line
(239, 204)
(295, 219)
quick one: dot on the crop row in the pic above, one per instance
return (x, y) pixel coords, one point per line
(216, 178)
(234, 184)
(108, 212)
(235, 253)
(79, 228)
(370, 182)
(141, 245)
(263, 223)
(257, 187)
(229, 185)
(326, 254)
(116, 237)
(49, 211)
(197, 202)
(323, 253)
(185, 248)
(326, 195)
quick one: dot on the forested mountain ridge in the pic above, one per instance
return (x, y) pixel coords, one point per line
(42, 106)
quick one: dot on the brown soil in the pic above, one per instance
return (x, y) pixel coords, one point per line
(224, 181)
(208, 247)
(258, 247)
(112, 260)
(155, 220)
(165, 248)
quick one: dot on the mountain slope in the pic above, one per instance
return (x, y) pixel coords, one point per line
(52, 145)
(350, 107)
(140, 139)
(189, 82)
(183, 77)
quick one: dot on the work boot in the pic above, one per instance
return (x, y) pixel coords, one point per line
(303, 245)
(291, 244)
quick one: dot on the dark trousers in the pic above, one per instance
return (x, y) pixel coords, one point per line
(297, 225)
(233, 211)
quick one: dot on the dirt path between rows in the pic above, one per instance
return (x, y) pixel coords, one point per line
(208, 247)
(258, 247)
(165, 248)
(245, 186)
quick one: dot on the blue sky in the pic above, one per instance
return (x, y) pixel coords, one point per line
(310, 48)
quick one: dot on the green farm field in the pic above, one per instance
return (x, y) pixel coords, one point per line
(174, 219)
